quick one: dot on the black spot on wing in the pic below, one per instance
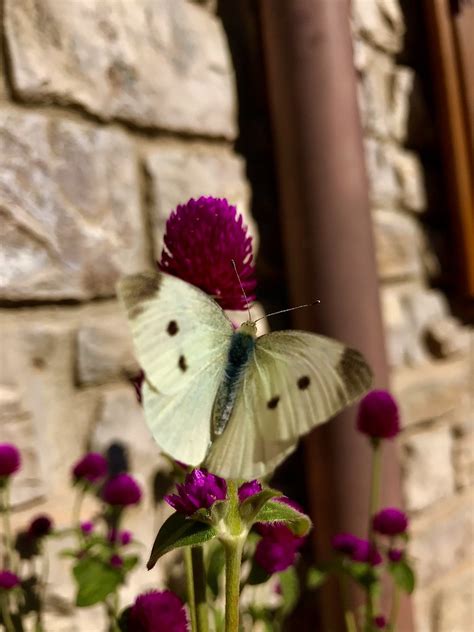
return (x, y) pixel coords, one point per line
(182, 363)
(172, 328)
(303, 382)
(273, 402)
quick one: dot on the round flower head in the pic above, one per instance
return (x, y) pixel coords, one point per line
(116, 561)
(200, 490)
(91, 468)
(8, 580)
(87, 527)
(365, 551)
(277, 550)
(202, 239)
(157, 612)
(378, 415)
(344, 543)
(9, 459)
(380, 621)
(390, 521)
(40, 526)
(249, 489)
(121, 490)
(395, 555)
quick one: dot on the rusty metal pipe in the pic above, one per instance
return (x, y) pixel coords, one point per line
(329, 245)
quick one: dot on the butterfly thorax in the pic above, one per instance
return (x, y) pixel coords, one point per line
(241, 348)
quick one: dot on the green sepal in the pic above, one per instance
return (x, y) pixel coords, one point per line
(273, 511)
(290, 590)
(403, 575)
(315, 578)
(178, 531)
(251, 506)
(212, 516)
(96, 580)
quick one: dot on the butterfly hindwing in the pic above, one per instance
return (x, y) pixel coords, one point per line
(295, 381)
(178, 331)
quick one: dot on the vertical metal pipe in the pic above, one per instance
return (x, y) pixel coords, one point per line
(329, 244)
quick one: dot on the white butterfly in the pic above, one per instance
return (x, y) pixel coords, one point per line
(227, 399)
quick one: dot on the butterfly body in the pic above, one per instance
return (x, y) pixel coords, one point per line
(242, 346)
(229, 400)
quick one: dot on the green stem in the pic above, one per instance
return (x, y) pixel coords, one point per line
(348, 614)
(233, 557)
(7, 620)
(8, 543)
(199, 579)
(395, 608)
(188, 567)
(374, 503)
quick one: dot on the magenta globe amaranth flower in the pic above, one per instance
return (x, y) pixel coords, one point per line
(378, 415)
(248, 489)
(277, 549)
(395, 555)
(202, 239)
(380, 621)
(116, 561)
(200, 490)
(8, 580)
(344, 543)
(87, 527)
(157, 612)
(121, 491)
(357, 549)
(390, 521)
(40, 526)
(91, 468)
(10, 460)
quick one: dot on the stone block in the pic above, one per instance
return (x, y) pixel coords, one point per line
(434, 391)
(375, 89)
(428, 474)
(182, 170)
(70, 209)
(463, 452)
(446, 337)
(105, 351)
(453, 605)
(397, 245)
(153, 63)
(380, 22)
(409, 174)
(443, 543)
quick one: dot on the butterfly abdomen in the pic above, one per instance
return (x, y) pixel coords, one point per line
(240, 351)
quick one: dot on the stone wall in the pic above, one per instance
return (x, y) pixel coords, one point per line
(111, 113)
(432, 370)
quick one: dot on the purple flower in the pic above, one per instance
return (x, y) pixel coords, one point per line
(202, 238)
(380, 621)
(8, 580)
(249, 489)
(87, 527)
(91, 468)
(10, 460)
(395, 555)
(390, 521)
(121, 490)
(200, 490)
(378, 415)
(40, 527)
(277, 550)
(124, 537)
(157, 612)
(357, 549)
(116, 561)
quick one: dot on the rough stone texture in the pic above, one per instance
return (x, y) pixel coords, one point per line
(442, 543)
(446, 337)
(463, 454)
(16, 426)
(435, 391)
(105, 351)
(397, 244)
(428, 474)
(182, 170)
(69, 206)
(380, 22)
(155, 63)
(454, 605)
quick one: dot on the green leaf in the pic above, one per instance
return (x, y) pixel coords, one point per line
(257, 575)
(96, 580)
(315, 578)
(129, 563)
(364, 574)
(290, 590)
(274, 511)
(253, 504)
(403, 576)
(215, 568)
(178, 531)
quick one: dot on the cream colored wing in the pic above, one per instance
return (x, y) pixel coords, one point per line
(178, 331)
(295, 381)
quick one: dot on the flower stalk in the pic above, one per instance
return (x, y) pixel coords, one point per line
(5, 609)
(199, 578)
(188, 568)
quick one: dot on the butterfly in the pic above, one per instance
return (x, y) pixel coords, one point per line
(224, 398)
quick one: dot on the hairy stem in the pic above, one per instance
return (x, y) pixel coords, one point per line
(199, 579)
(188, 567)
(233, 558)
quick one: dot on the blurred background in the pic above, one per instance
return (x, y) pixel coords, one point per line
(343, 132)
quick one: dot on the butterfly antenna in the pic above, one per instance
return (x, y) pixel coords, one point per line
(243, 291)
(290, 309)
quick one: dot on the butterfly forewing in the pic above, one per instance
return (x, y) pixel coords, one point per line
(178, 331)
